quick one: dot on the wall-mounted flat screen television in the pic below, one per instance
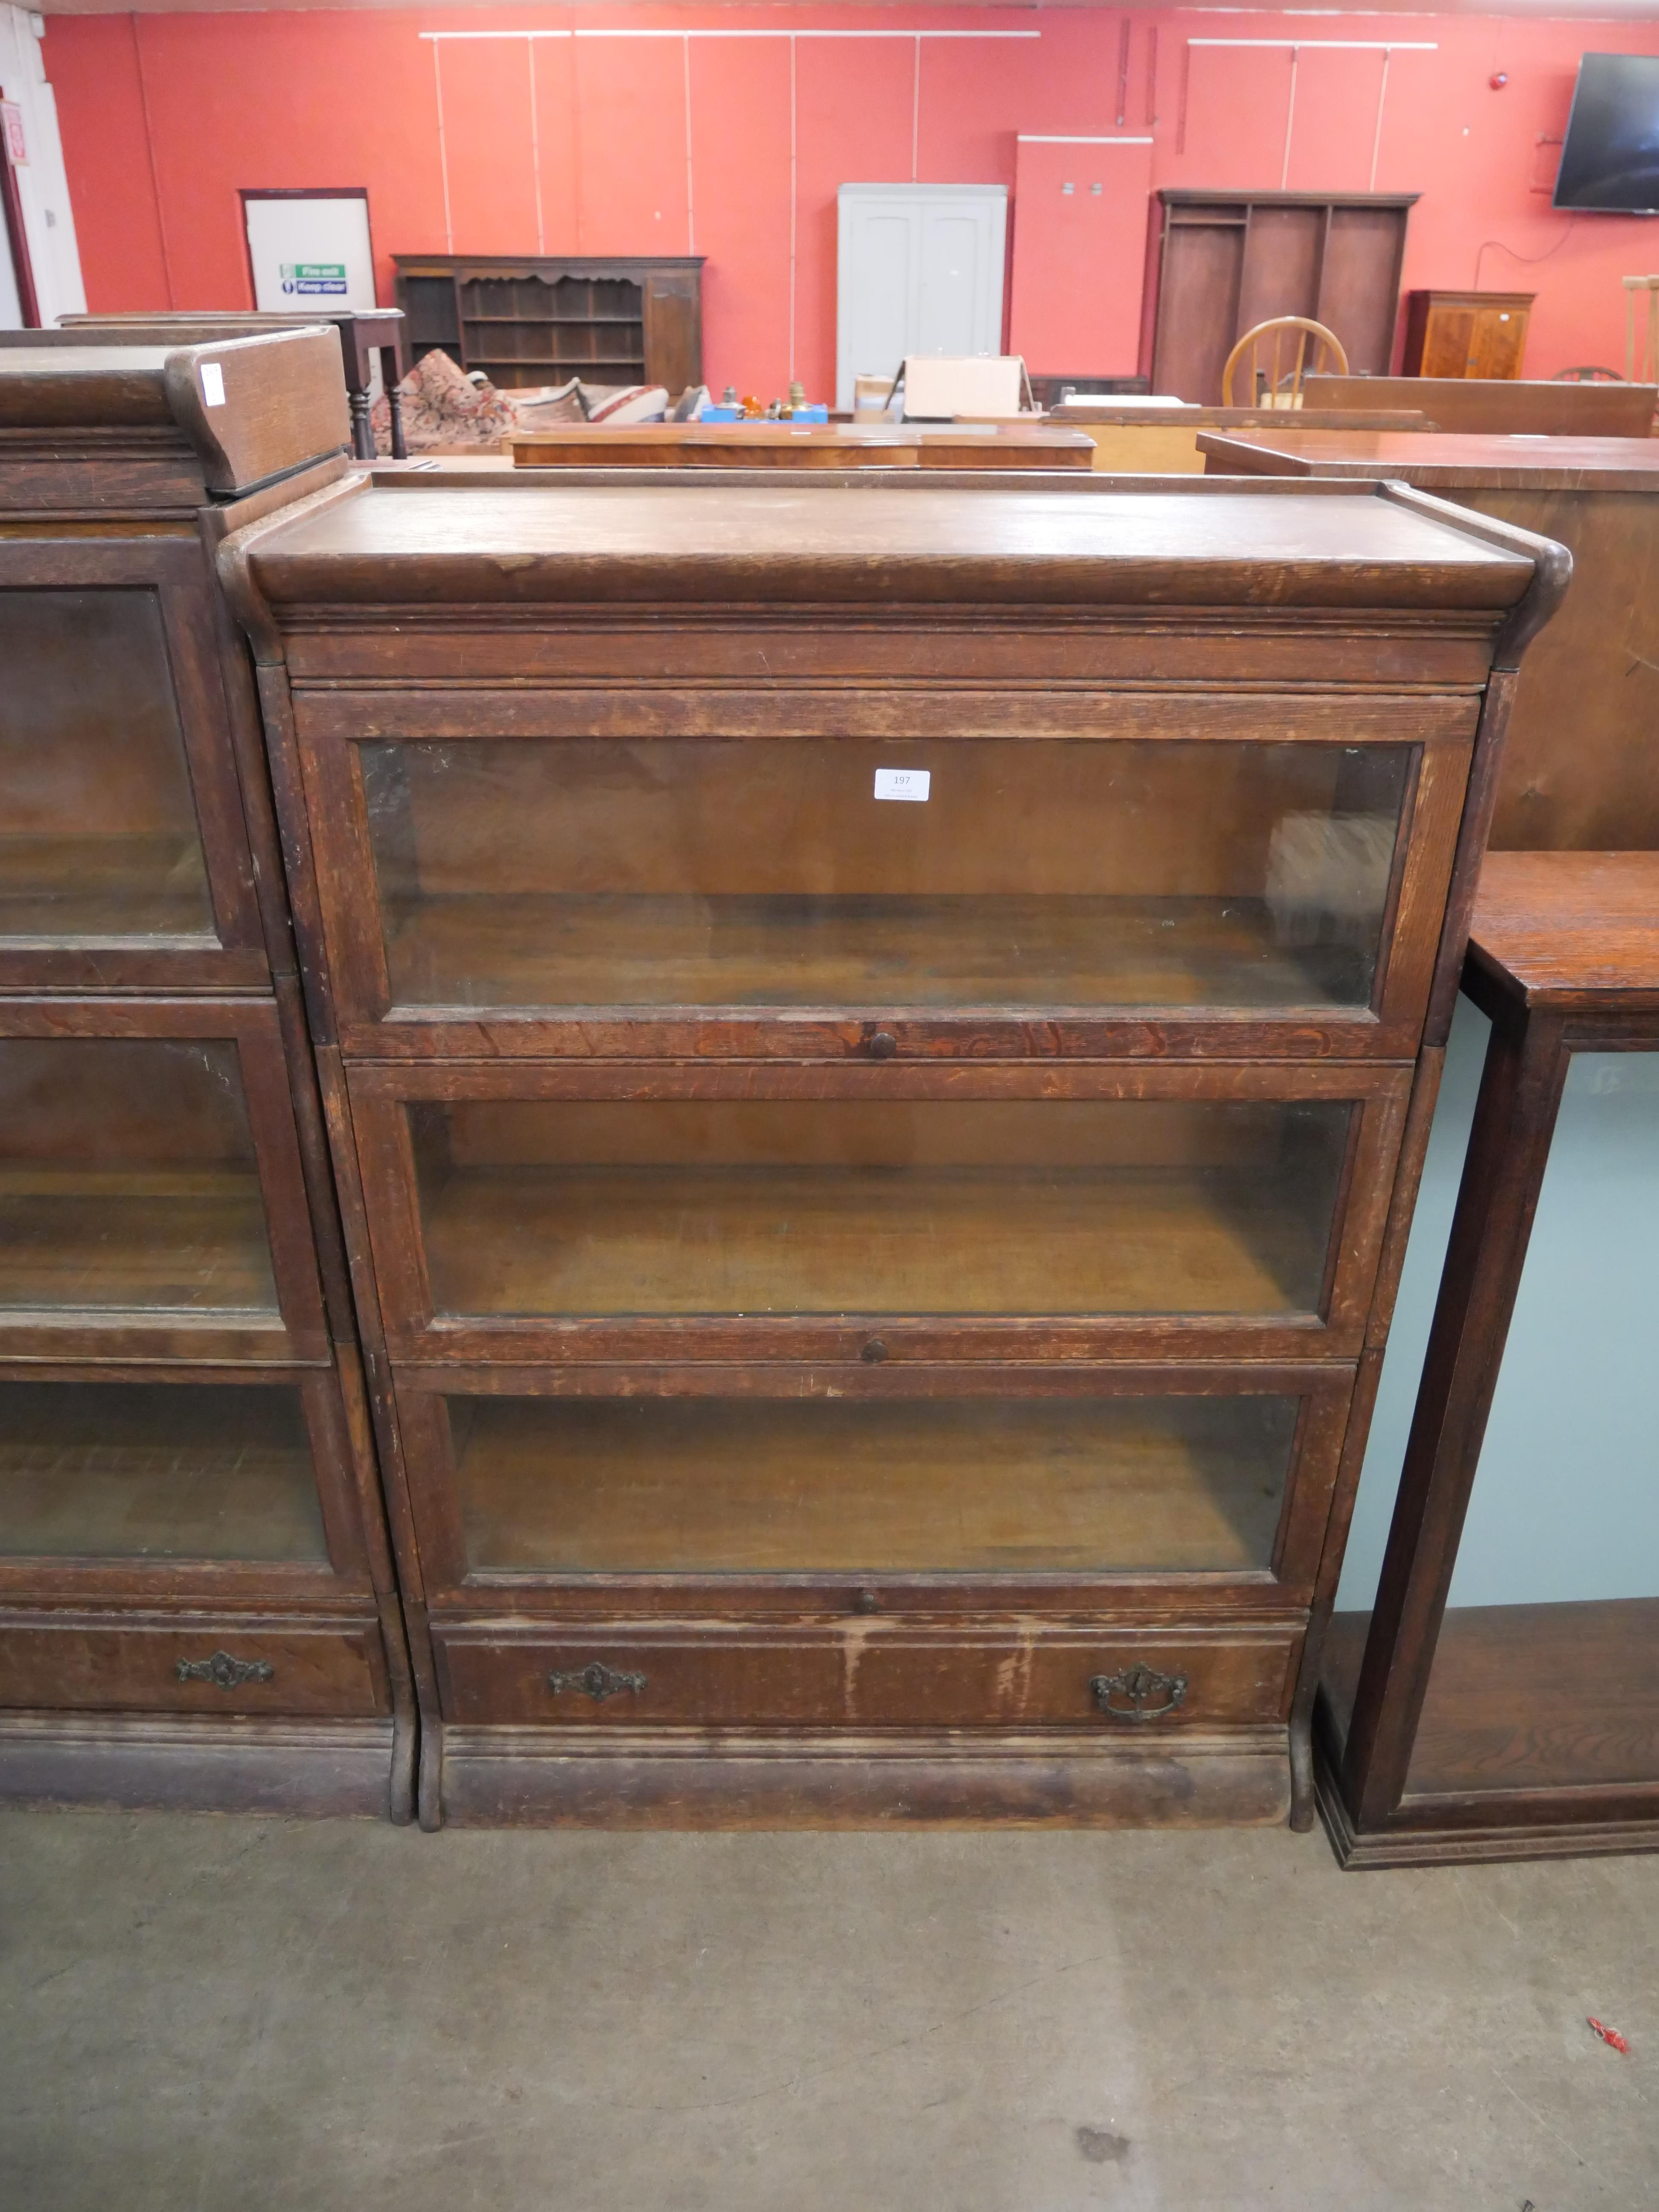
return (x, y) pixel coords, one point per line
(1611, 157)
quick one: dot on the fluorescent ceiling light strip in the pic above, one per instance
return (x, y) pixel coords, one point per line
(793, 34)
(437, 35)
(1309, 46)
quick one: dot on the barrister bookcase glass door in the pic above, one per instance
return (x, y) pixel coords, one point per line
(984, 1486)
(753, 1207)
(99, 843)
(158, 1471)
(128, 1181)
(830, 870)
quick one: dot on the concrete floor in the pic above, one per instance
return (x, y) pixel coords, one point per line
(222, 2015)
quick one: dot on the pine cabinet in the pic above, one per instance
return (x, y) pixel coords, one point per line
(1482, 334)
(872, 1032)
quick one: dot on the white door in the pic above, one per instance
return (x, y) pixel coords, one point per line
(920, 270)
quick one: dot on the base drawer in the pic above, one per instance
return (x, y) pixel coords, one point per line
(868, 1674)
(191, 1663)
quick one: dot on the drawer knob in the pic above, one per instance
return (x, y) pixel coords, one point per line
(881, 1045)
(873, 1352)
(597, 1681)
(865, 1600)
(1139, 1693)
(224, 1672)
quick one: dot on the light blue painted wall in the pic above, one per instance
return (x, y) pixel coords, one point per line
(1565, 1503)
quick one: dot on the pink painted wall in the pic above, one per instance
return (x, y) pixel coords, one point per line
(1080, 255)
(734, 147)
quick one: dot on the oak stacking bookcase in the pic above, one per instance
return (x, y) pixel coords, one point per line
(198, 1603)
(874, 1034)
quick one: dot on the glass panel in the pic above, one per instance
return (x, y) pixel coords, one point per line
(159, 1471)
(99, 840)
(1547, 1671)
(698, 1485)
(745, 1208)
(127, 1178)
(723, 872)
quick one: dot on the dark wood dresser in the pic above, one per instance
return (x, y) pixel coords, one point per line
(540, 319)
(874, 1036)
(196, 1600)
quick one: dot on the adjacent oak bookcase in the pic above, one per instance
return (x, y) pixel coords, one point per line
(198, 1605)
(875, 1299)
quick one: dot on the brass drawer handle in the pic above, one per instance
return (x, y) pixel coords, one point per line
(224, 1672)
(597, 1681)
(1129, 1696)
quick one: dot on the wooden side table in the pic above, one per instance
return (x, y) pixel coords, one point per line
(364, 333)
(1527, 1729)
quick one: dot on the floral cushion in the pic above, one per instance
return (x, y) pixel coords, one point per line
(624, 402)
(444, 407)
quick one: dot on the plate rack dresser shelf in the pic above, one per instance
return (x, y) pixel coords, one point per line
(198, 1605)
(877, 1034)
(542, 320)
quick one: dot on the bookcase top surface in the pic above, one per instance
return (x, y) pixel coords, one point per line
(247, 409)
(1088, 543)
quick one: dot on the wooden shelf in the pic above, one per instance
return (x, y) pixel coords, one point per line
(157, 1471)
(754, 1241)
(1540, 1697)
(165, 1239)
(554, 322)
(831, 1486)
(112, 890)
(542, 950)
(556, 360)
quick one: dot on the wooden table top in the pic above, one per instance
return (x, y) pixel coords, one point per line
(137, 327)
(1193, 418)
(794, 445)
(1571, 928)
(1440, 460)
(1180, 543)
